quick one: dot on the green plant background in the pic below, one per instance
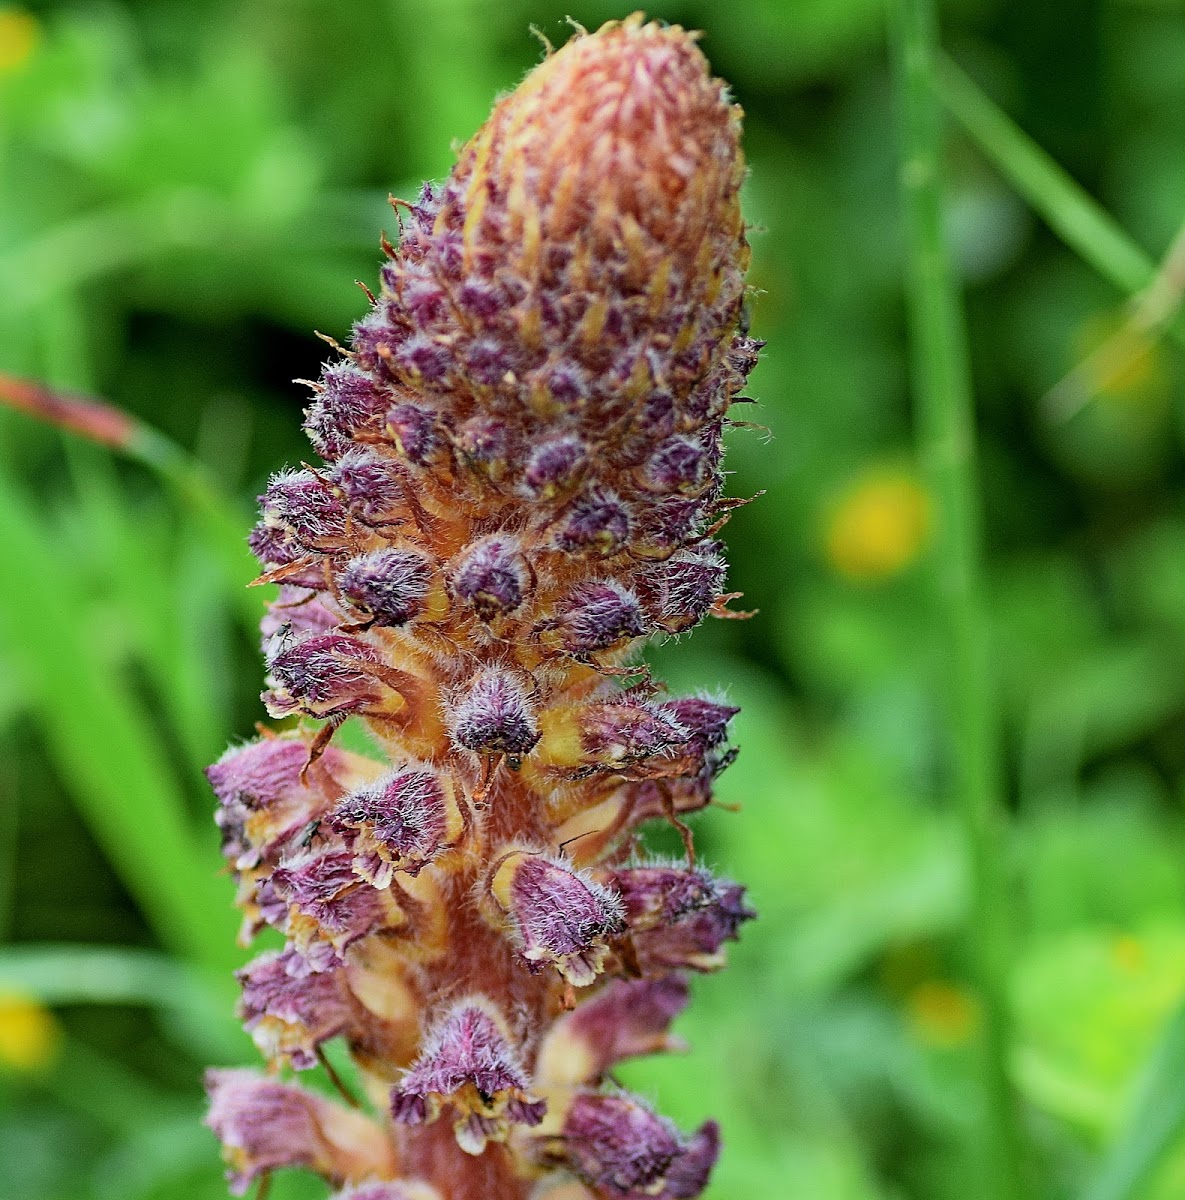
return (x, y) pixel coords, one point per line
(188, 188)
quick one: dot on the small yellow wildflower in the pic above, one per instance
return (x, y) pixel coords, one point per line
(1128, 952)
(942, 1014)
(1122, 365)
(19, 34)
(879, 527)
(29, 1034)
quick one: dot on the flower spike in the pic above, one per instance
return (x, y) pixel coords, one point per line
(520, 482)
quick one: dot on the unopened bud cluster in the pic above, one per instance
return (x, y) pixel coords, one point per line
(521, 482)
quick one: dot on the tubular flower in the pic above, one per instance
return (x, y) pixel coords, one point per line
(521, 483)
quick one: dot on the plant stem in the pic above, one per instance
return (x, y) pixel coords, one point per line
(1069, 210)
(947, 446)
(107, 425)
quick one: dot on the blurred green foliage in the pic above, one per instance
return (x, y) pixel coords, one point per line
(189, 187)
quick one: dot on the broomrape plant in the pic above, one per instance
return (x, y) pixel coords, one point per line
(521, 484)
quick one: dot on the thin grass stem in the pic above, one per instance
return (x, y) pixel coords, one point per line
(107, 425)
(946, 431)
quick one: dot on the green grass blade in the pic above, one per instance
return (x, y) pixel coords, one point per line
(1155, 1122)
(102, 741)
(62, 974)
(217, 518)
(1069, 210)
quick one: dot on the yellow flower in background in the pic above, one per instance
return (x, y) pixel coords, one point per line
(29, 1034)
(1128, 953)
(19, 34)
(879, 526)
(942, 1014)
(1122, 363)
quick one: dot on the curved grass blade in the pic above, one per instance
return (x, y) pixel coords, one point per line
(1155, 1122)
(1069, 210)
(96, 420)
(65, 974)
(101, 739)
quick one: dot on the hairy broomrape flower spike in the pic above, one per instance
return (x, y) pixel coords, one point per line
(521, 483)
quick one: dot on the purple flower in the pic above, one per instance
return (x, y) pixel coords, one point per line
(694, 940)
(396, 1190)
(262, 800)
(398, 823)
(523, 450)
(468, 1065)
(625, 1019)
(688, 1174)
(616, 1144)
(328, 902)
(622, 733)
(289, 1016)
(264, 1124)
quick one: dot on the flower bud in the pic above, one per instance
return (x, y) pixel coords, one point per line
(391, 586)
(598, 616)
(274, 546)
(680, 464)
(306, 507)
(415, 433)
(485, 443)
(321, 675)
(597, 523)
(348, 401)
(553, 466)
(558, 915)
(368, 484)
(706, 752)
(657, 894)
(706, 721)
(491, 577)
(494, 715)
(688, 1174)
(689, 583)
